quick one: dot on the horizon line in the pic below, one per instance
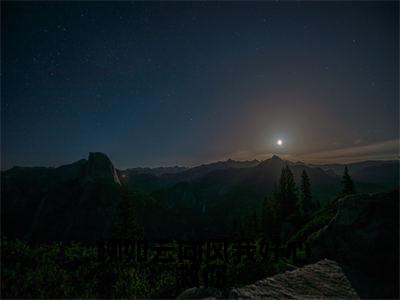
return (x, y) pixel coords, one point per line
(284, 157)
(386, 150)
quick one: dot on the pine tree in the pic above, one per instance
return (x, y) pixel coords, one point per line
(347, 183)
(276, 194)
(306, 204)
(287, 194)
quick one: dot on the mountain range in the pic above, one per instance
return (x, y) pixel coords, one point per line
(79, 201)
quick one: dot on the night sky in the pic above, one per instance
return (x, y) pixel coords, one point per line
(185, 83)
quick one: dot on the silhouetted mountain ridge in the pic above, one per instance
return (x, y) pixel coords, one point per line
(71, 201)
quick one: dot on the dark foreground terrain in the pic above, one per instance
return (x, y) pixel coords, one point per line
(52, 219)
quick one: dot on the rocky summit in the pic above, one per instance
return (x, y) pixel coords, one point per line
(100, 166)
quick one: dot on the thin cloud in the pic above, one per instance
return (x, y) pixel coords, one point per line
(378, 151)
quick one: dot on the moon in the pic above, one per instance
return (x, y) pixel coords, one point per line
(279, 142)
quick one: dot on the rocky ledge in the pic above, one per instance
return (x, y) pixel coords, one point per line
(322, 280)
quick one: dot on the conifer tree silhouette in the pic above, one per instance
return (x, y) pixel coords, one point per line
(286, 196)
(306, 204)
(347, 183)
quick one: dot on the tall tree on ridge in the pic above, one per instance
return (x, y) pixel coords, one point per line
(306, 204)
(347, 183)
(287, 194)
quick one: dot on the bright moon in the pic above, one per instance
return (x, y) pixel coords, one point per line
(279, 142)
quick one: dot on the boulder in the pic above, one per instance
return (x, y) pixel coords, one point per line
(324, 279)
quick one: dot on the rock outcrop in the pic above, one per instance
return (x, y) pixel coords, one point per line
(356, 255)
(364, 237)
(324, 279)
(99, 166)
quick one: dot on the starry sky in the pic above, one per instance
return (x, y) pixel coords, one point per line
(183, 83)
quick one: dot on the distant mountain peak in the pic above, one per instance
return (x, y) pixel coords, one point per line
(98, 155)
(276, 157)
(275, 161)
